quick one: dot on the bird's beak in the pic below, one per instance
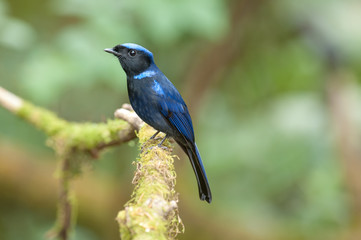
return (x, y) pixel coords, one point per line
(110, 50)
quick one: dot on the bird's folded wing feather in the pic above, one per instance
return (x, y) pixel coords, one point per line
(177, 114)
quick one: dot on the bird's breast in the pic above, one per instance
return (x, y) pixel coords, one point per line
(145, 98)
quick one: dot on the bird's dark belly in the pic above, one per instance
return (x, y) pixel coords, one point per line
(149, 112)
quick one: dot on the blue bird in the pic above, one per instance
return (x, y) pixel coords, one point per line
(158, 103)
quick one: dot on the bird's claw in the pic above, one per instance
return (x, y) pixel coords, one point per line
(159, 146)
(162, 147)
(154, 135)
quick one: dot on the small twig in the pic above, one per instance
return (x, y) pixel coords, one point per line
(346, 133)
(65, 214)
(65, 204)
(86, 137)
(10, 101)
(126, 113)
(128, 107)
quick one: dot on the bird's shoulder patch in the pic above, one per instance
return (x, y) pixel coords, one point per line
(157, 87)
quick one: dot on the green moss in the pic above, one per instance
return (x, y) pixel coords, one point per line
(74, 143)
(75, 135)
(67, 135)
(42, 119)
(152, 212)
(85, 136)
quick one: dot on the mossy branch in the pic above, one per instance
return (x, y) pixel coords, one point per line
(152, 213)
(73, 143)
(66, 137)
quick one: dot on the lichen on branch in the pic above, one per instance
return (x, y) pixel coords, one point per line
(69, 136)
(152, 213)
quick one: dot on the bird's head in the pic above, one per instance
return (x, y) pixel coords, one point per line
(133, 58)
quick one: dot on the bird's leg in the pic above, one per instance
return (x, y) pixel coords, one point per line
(161, 142)
(154, 135)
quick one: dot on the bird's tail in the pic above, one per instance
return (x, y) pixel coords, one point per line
(196, 161)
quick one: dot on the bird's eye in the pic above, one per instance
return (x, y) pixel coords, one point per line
(132, 52)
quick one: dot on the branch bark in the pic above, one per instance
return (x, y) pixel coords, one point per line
(71, 142)
(152, 213)
(71, 136)
(10, 101)
(347, 134)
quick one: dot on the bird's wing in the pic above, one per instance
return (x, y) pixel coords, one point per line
(176, 112)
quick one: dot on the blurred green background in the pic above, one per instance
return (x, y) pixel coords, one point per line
(274, 92)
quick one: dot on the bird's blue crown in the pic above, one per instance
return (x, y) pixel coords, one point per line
(138, 48)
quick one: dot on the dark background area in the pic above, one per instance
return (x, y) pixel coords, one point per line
(274, 92)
